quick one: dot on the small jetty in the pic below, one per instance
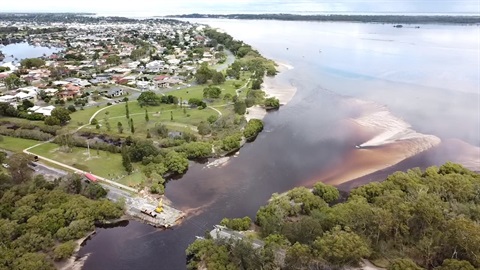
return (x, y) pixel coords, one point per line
(154, 213)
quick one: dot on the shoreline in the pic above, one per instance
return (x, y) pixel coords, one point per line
(273, 88)
(74, 263)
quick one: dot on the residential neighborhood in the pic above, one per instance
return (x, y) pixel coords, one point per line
(97, 58)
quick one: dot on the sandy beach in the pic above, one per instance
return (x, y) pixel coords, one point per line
(385, 139)
(73, 263)
(273, 88)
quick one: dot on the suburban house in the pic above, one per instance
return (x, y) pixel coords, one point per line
(50, 92)
(46, 111)
(21, 96)
(115, 92)
(155, 66)
(8, 99)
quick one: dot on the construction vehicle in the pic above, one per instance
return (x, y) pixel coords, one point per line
(150, 213)
(159, 208)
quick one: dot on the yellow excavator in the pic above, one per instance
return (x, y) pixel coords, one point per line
(159, 208)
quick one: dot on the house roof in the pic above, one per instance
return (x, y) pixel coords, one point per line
(161, 77)
(22, 95)
(91, 177)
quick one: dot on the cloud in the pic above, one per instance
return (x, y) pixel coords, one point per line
(243, 6)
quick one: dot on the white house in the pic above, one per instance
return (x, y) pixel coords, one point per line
(47, 111)
(20, 96)
(50, 92)
(8, 99)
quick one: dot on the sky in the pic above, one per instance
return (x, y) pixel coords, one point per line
(172, 7)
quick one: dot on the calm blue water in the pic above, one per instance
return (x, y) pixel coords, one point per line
(429, 77)
(24, 50)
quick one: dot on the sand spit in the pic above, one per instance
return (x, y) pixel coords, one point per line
(273, 88)
(391, 141)
(74, 263)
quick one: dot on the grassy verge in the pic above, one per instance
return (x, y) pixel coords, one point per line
(132, 179)
(101, 163)
(16, 144)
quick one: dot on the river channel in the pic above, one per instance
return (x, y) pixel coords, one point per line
(406, 96)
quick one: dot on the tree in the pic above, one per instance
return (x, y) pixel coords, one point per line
(148, 98)
(120, 127)
(113, 60)
(212, 119)
(18, 167)
(29, 63)
(94, 191)
(298, 256)
(237, 224)
(218, 78)
(127, 111)
(403, 264)
(12, 81)
(141, 149)
(452, 264)
(32, 261)
(132, 128)
(253, 127)
(146, 116)
(340, 247)
(64, 250)
(162, 131)
(212, 92)
(72, 184)
(240, 107)
(204, 128)
(272, 103)
(257, 84)
(176, 163)
(27, 104)
(230, 143)
(71, 108)
(195, 150)
(3, 155)
(203, 74)
(51, 121)
(62, 114)
(126, 160)
(327, 193)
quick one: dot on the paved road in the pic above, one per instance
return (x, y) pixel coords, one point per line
(228, 62)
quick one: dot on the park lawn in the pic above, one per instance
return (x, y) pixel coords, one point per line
(82, 116)
(16, 144)
(133, 179)
(182, 121)
(197, 91)
(101, 163)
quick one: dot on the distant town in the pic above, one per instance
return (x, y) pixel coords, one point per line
(147, 55)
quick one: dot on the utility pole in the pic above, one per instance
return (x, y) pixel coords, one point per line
(88, 147)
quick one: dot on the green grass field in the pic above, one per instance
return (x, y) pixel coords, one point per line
(101, 163)
(82, 116)
(16, 144)
(133, 179)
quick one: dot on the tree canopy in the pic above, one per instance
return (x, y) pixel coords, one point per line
(414, 220)
(148, 98)
(40, 218)
(32, 63)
